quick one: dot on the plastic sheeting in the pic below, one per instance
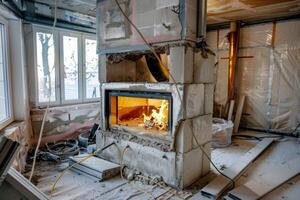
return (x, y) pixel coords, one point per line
(268, 75)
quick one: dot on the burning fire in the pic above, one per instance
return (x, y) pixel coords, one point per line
(158, 119)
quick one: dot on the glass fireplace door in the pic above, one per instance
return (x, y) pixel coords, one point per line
(142, 113)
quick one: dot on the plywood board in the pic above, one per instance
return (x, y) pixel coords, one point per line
(262, 185)
(220, 184)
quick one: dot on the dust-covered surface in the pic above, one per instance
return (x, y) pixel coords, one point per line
(78, 186)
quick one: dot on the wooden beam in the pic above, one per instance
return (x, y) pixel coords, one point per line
(238, 114)
(259, 186)
(231, 106)
(220, 184)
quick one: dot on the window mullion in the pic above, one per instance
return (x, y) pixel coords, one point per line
(81, 63)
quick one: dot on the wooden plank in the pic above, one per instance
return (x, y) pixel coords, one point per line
(238, 114)
(231, 106)
(220, 184)
(24, 186)
(262, 185)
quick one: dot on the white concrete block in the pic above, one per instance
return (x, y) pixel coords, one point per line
(202, 129)
(184, 137)
(102, 68)
(205, 161)
(180, 62)
(192, 166)
(194, 100)
(204, 68)
(148, 160)
(209, 98)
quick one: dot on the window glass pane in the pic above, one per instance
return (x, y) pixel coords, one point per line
(70, 59)
(91, 75)
(45, 66)
(4, 105)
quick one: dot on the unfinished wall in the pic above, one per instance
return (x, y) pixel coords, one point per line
(64, 122)
(268, 74)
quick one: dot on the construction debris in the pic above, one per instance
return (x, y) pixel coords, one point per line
(95, 166)
(8, 150)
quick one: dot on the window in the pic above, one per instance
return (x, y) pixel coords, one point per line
(70, 68)
(69, 60)
(5, 101)
(45, 66)
(91, 69)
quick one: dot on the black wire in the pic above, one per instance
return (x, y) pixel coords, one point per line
(252, 137)
(246, 137)
(295, 130)
(213, 164)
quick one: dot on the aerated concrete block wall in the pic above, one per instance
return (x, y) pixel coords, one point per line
(184, 162)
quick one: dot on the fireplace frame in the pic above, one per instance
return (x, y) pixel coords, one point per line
(139, 94)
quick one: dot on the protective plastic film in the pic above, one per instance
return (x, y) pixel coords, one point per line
(268, 75)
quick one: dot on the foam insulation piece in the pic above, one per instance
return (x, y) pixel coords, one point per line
(268, 76)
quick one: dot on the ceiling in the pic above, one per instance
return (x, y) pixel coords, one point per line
(82, 6)
(218, 11)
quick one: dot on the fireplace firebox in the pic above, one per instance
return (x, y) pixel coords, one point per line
(144, 113)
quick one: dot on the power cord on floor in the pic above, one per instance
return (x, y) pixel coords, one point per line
(172, 78)
(213, 164)
(294, 132)
(256, 138)
(77, 163)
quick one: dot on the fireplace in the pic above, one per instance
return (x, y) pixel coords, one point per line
(157, 122)
(152, 117)
(143, 113)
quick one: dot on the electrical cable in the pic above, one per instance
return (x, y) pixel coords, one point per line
(295, 130)
(77, 163)
(177, 89)
(150, 48)
(141, 176)
(213, 164)
(121, 173)
(252, 137)
(49, 100)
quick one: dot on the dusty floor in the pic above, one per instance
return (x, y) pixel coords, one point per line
(78, 186)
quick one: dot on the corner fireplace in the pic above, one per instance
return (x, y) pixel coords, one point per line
(138, 112)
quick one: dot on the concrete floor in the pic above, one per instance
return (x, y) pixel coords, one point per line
(79, 186)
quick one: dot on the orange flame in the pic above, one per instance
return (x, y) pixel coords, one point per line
(158, 119)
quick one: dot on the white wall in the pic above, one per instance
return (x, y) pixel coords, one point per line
(18, 70)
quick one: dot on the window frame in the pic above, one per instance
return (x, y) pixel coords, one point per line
(37, 29)
(59, 80)
(7, 75)
(80, 66)
(85, 99)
